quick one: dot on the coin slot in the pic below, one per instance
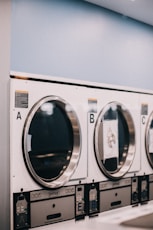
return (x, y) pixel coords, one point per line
(116, 203)
(53, 216)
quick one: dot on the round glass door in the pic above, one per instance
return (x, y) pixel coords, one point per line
(51, 142)
(149, 140)
(114, 140)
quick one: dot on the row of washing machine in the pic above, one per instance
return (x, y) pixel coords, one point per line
(76, 148)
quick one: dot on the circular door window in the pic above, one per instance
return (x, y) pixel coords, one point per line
(149, 140)
(51, 142)
(114, 140)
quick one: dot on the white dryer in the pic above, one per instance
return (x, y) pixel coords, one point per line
(147, 145)
(113, 144)
(48, 148)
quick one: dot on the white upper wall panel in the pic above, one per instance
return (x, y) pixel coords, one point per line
(141, 10)
(76, 39)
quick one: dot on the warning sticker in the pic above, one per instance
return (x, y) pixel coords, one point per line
(144, 109)
(92, 103)
(21, 99)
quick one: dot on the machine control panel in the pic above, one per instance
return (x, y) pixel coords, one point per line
(21, 207)
(144, 188)
(93, 199)
(135, 190)
(80, 202)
